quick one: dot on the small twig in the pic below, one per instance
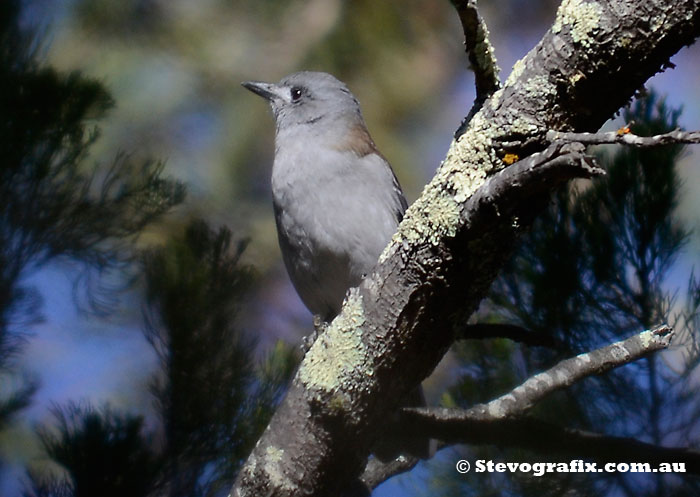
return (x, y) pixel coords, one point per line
(479, 49)
(377, 472)
(625, 138)
(569, 371)
(519, 334)
(480, 53)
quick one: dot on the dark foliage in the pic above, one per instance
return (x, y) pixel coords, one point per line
(104, 453)
(212, 402)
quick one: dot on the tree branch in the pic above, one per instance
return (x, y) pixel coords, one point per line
(569, 371)
(479, 50)
(378, 472)
(624, 137)
(546, 438)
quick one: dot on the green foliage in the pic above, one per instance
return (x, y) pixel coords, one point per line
(212, 403)
(274, 372)
(104, 453)
(594, 269)
(194, 286)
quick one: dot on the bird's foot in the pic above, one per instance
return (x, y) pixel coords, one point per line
(320, 326)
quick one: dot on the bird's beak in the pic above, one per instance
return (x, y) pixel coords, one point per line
(268, 91)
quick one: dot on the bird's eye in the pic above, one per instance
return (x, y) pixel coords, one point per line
(296, 94)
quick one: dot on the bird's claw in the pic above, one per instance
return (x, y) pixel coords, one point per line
(319, 327)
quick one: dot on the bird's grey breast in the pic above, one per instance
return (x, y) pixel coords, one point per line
(335, 212)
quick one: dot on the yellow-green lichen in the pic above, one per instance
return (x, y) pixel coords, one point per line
(576, 77)
(431, 218)
(251, 465)
(436, 215)
(496, 98)
(465, 182)
(541, 92)
(659, 22)
(473, 148)
(515, 73)
(581, 17)
(273, 469)
(540, 88)
(624, 41)
(338, 403)
(485, 54)
(525, 125)
(389, 249)
(339, 351)
(274, 454)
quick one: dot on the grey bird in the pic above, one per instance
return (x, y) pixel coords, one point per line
(337, 203)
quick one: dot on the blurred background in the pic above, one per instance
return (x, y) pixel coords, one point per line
(173, 70)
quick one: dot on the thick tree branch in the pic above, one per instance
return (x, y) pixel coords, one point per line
(397, 325)
(546, 438)
(624, 137)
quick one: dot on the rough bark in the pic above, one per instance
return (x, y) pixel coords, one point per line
(396, 327)
(479, 50)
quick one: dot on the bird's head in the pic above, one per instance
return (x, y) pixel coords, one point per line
(309, 99)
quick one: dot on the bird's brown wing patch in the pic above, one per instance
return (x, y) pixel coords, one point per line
(357, 140)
